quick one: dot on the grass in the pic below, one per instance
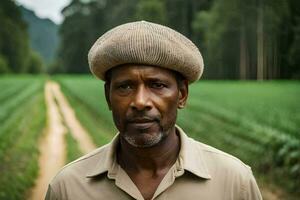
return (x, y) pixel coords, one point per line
(73, 151)
(92, 113)
(23, 120)
(259, 122)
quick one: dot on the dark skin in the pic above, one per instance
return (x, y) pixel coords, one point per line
(144, 102)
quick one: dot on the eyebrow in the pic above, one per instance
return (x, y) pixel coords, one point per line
(158, 80)
(124, 81)
(148, 79)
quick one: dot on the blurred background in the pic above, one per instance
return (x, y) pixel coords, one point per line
(247, 102)
(257, 39)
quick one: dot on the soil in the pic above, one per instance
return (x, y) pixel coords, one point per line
(268, 194)
(78, 132)
(52, 145)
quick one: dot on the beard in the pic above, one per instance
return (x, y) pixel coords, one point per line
(151, 130)
(149, 142)
(145, 138)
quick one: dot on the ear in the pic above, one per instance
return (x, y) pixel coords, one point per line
(183, 93)
(107, 96)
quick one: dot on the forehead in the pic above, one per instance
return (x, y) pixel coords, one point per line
(132, 71)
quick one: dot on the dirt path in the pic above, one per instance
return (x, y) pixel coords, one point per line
(268, 194)
(79, 133)
(52, 146)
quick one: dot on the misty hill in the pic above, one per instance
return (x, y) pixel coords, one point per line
(43, 34)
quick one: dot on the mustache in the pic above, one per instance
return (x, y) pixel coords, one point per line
(141, 118)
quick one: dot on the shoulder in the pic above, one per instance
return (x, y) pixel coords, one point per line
(220, 160)
(79, 168)
(227, 171)
(73, 178)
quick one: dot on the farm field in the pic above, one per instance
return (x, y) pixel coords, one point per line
(22, 120)
(36, 139)
(259, 122)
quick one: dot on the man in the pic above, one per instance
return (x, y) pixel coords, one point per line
(147, 68)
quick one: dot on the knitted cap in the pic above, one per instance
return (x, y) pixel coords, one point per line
(148, 44)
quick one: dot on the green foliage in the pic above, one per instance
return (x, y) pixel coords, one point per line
(94, 115)
(87, 21)
(22, 123)
(181, 13)
(3, 65)
(73, 152)
(35, 64)
(286, 156)
(75, 39)
(257, 122)
(240, 36)
(16, 55)
(153, 11)
(294, 59)
(43, 34)
(14, 45)
(238, 39)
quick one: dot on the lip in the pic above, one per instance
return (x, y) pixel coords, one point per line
(145, 124)
(141, 120)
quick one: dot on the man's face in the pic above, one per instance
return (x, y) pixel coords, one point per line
(144, 102)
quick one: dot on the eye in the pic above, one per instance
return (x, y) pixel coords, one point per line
(124, 87)
(157, 85)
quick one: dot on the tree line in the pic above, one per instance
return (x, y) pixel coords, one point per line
(254, 39)
(16, 55)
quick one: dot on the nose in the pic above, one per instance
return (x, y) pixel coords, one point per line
(141, 100)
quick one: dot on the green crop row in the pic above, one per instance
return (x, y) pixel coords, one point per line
(92, 113)
(91, 93)
(16, 100)
(218, 133)
(8, 92)
(274, 104)
(73, 151)
(19, 134)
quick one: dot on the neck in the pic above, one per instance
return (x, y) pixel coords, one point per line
(159, 157)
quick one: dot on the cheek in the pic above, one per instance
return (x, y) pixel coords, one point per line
(118, 109)
(169, 118)
(117, 120)
(168, 109)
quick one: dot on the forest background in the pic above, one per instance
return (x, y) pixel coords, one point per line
(254, 39)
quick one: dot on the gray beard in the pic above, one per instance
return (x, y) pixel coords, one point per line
(150, 142)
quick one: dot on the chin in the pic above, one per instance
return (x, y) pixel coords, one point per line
(144, 140)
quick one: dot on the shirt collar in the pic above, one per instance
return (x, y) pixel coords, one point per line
(107, 161)
(190, 158)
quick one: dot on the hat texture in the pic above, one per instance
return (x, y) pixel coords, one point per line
(145, 43)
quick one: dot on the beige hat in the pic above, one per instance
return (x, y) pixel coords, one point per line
(145, 43)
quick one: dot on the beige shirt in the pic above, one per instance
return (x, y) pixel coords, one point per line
(200, 172)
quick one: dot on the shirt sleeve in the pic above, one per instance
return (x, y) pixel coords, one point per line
(250, 189)
(50, 195)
